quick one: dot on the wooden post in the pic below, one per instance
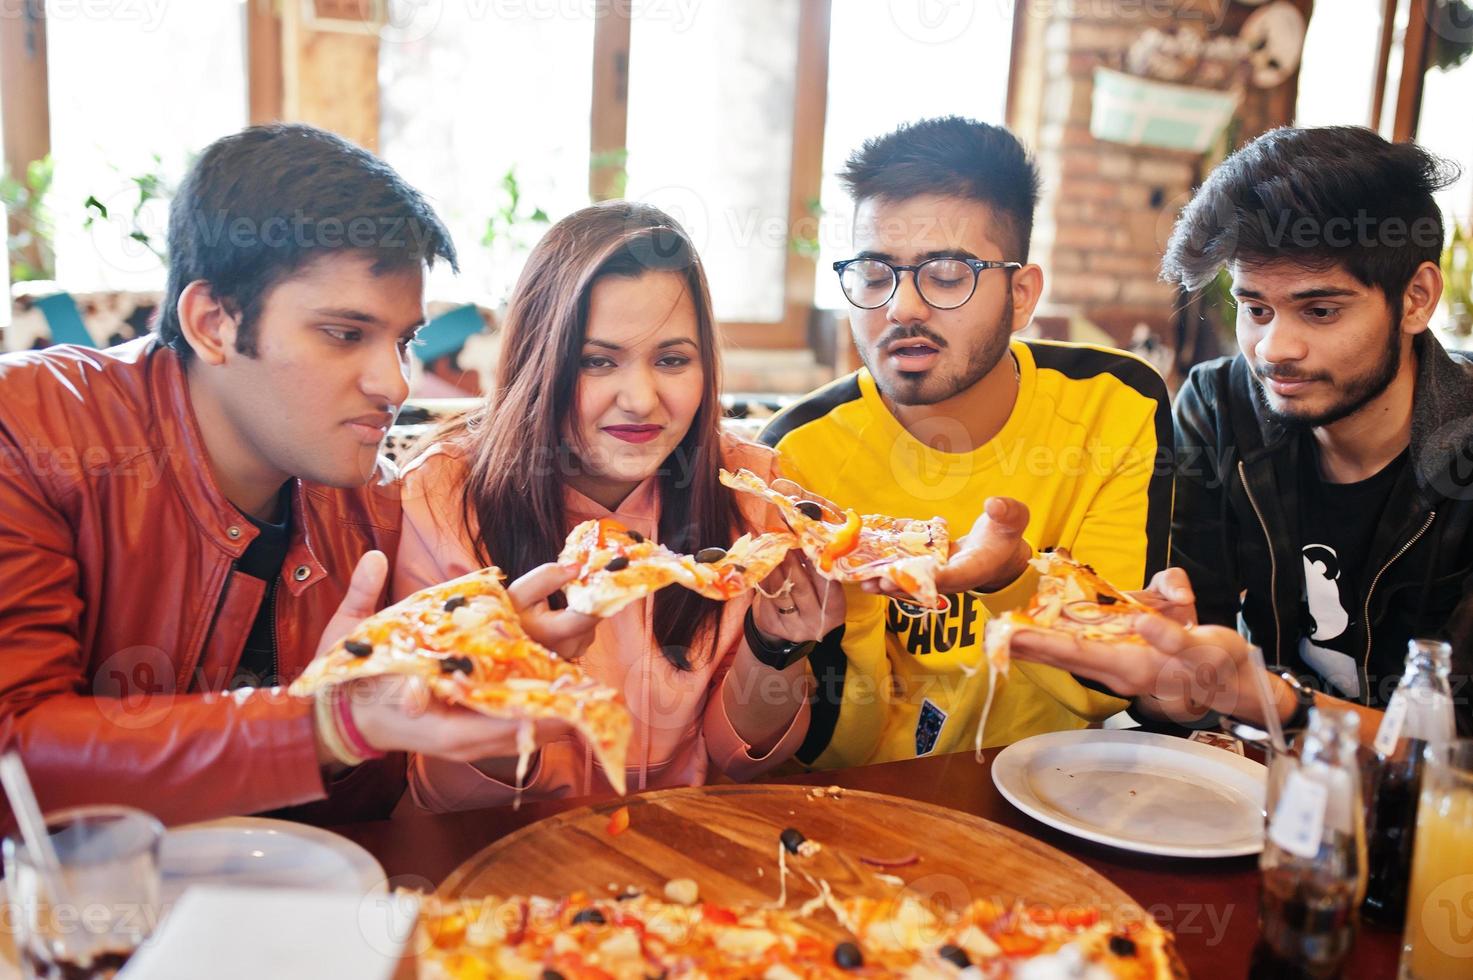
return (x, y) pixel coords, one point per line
(609, 117)
(264, 82)
(805, 179)
(1415, 54)
(1383, 60)
(330, 66)
(23, 100)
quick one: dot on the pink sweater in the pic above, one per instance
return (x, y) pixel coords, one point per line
(680, 726)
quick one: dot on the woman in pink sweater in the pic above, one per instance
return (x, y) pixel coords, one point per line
(606, 405)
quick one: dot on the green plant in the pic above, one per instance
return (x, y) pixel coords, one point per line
(31, 248)
(514, 220)
(617, 163)
(1452, 34)
(1220, 308)
(1457, 273)
(804, 241)
(152, 185)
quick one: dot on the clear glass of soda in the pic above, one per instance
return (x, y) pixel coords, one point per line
(109, 901)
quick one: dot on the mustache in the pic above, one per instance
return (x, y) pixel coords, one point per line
(912, 332)
(1267, 373)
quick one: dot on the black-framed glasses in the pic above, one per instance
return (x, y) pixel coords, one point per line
(944, 283)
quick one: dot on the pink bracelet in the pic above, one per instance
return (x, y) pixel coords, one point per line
(343, 711)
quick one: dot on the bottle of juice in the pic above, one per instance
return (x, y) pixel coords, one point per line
(1438, 941)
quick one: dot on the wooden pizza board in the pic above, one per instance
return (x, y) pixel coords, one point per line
(726, 839)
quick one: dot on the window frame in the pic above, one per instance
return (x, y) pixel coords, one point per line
(610, 119)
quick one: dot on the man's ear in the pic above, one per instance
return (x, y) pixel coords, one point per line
(208, 327)
(1027, 289)
(1419, 300)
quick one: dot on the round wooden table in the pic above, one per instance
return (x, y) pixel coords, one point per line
(1211, 905)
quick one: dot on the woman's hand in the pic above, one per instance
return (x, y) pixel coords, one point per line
(809, 610)
(563, 631)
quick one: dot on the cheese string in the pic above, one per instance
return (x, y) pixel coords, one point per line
(526, 745)
(992, 675)
(823, 606)
(782, 876)
(785, 589)
(644, 695)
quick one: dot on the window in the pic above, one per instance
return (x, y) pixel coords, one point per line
(492, 95)
(897, 62)
(1337, 74)
(134, 94)
(710, 138)
(1443, 129)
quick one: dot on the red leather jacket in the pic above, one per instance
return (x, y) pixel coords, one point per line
(122, 619)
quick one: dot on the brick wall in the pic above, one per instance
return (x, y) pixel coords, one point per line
(1107, 208)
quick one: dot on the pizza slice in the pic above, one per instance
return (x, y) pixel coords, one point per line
(718, 573)
(620, 566)
(1072, 598)
(628, 935)
(1076, 940)
(463, 638)
(617, 566)
(905, 553)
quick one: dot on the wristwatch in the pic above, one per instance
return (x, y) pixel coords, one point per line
(1298, 721)
(777, 654)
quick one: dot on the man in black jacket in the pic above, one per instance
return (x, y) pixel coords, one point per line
(1324, 490)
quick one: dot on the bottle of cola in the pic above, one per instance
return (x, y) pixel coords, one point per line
(1314, 856)
(1419, 714)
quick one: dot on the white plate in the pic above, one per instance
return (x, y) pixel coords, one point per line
(1140, 791)
(255, 852)
(249, 852)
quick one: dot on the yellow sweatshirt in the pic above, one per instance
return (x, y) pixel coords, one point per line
(1087, 448)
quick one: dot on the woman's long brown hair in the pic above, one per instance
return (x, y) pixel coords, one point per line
(514, 443)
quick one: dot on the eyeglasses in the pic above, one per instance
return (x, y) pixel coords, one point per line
(944, 283)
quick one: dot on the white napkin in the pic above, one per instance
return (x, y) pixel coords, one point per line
(229, 933)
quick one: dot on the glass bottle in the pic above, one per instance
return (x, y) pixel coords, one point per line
(1314, 856)
(1419, 714)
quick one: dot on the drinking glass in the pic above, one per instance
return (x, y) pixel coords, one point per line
(109, 884)
(1438, 941)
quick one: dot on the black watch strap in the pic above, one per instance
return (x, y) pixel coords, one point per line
(1298, 721)
(780, 654)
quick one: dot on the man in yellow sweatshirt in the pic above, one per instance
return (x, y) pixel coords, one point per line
(1058, 445)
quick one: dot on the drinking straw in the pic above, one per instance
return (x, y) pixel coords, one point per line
(1266, 694)
(32, 824)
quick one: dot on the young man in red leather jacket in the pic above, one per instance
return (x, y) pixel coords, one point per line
(186, 519)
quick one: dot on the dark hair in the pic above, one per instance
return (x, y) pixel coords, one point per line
(262, 204)
(1323, 197)
(513, 495)
(953, 157)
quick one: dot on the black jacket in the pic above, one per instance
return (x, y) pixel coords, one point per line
(1235, 527)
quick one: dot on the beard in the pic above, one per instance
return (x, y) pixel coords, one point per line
(943, 381)
(1354, 393)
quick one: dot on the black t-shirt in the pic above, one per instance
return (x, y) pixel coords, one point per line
(1338, 524)
(263, 559)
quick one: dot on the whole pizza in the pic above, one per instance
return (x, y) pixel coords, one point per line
(630, 936)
